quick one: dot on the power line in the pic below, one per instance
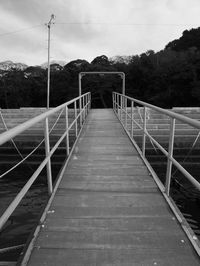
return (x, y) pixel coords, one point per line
(126, 24)
(20, 30)
(101, 23)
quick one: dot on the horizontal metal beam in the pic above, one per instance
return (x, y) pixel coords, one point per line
(102, 72)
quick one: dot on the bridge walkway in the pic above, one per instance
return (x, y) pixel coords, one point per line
(107, 209)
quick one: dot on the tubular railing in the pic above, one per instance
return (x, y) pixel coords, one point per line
(120, 106)
(81, 107)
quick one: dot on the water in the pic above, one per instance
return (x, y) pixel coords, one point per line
(25, 218)
(185, 195)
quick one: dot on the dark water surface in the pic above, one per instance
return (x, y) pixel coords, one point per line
(185, 195)
(25, 218)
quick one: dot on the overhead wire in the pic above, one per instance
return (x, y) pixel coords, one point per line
(101, 23)
(125, 24)
(21, 30)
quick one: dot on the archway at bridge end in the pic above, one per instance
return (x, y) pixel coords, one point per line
(121, 74)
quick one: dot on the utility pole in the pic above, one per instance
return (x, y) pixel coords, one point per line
(48, 73)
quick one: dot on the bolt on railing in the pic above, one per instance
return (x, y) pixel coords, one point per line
(120, 108)
(79, 115)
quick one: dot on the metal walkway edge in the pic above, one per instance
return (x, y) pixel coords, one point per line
(107, 209)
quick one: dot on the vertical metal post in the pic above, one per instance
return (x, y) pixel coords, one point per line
(123, 84)
(75, 116)
(132, 104)
(125, 109)
(120, 107)
(47, 151)
(113, 104)
(90, 98)
(83, 110)
(87, 101)
(48, 64)
(118, 104)
(67, 130)
(83, 106)
(170, 155)
(48, 68)
(115, 99)
(87, 104)
(80, 92)
(144, 131)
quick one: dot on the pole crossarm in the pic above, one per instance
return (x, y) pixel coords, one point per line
(121, 74)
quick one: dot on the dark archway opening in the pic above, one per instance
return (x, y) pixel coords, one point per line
(101, 87)
(101, 100)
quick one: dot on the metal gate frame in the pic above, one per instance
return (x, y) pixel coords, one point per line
(121, 74)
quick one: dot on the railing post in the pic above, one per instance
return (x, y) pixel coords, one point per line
(83, 108)
(47, 151)
(170, 155)
(115, 102)
(113, 105)
(67, 129)
(75, 116)
(118, 104)
(87, 102)
(90, 98)
(84, 104)
(125, 109)
(144, 131)
(80, 109)
(132, 104)
(121, 107)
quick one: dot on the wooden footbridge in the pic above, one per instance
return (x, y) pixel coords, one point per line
(107, 207)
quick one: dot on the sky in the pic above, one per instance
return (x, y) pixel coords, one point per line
(85, 29)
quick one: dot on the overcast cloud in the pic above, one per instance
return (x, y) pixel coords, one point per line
(110, 27)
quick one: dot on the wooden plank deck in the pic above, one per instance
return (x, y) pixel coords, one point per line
(108, 209)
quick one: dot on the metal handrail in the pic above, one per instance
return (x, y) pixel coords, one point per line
(27, 156)
(85, 100)
(120, 106)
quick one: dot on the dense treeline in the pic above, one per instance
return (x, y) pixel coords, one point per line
(167, 78)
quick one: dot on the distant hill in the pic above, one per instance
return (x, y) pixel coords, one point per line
(8, 65)
(189, 39)
(53, 62)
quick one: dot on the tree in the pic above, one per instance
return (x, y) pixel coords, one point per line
(101, 61)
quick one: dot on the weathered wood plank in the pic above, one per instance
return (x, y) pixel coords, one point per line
(115, 257)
